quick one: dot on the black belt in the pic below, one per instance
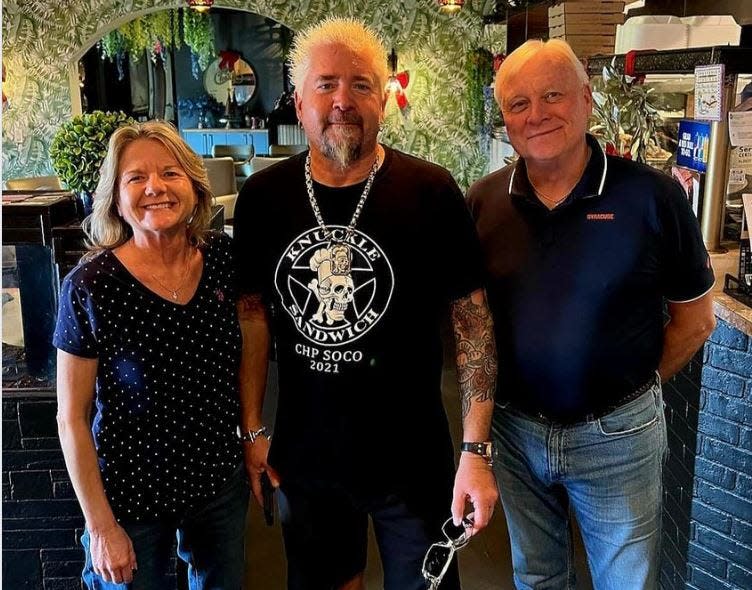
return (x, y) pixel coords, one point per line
(615, 405)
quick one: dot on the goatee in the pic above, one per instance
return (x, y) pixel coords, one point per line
(342, 140)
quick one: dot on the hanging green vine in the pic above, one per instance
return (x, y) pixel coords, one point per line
(479, 77)
(198, 34)
(158, 31)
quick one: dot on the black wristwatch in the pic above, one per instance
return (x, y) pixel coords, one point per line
(484, 449)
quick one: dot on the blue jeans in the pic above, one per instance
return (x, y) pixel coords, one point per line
(210, 540)
(607, 472)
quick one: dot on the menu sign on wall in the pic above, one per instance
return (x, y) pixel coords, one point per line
(694, 143)
(709, 92)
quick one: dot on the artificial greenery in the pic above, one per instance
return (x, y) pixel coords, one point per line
(625, 115)
(479, 77)
(156, 32)
(79, 146)
(198, 34)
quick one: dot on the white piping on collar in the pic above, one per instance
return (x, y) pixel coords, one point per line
(600, 186)
(605, 168)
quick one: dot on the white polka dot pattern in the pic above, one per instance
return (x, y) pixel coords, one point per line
(166, 391)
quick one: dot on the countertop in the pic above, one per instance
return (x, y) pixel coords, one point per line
(727, 308)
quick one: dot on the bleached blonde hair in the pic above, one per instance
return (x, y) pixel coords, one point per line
(349, 32)
(558, 49)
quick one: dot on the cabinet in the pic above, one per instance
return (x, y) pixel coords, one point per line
(203, 140)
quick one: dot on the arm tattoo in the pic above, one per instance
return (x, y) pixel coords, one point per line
(476, 351)
(251, 307)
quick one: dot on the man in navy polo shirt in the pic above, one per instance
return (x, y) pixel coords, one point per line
(582, 250)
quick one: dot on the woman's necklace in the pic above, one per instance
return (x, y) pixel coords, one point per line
(174, 292)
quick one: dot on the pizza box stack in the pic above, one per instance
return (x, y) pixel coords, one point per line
(588, 26)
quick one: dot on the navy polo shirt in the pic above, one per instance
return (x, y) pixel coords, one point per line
(577, 292)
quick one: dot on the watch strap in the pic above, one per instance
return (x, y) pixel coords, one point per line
(250, 436)
(484, 449)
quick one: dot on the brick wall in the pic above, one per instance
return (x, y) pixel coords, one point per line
(41, 518)
(707, 540)
(42, 522)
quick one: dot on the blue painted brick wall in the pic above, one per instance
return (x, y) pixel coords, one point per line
(682, 397)
(721, 543)
(707, 538)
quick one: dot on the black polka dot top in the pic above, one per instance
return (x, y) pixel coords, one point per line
(166, 399)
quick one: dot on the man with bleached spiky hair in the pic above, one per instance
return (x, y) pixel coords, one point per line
(358, 250)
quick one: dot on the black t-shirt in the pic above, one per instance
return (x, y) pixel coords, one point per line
(359, 351)
(167, 403)
(577, 292)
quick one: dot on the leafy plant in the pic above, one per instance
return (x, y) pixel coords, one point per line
(79, 146)
(198, 34)
(158, 31)
(479, 77)
(625, 114)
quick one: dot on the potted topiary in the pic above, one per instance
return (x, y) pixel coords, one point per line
(78, 148)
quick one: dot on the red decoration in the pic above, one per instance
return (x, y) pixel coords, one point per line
(228, 59)
(397, 84)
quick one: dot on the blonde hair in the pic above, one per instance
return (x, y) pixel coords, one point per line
(351, 33)
(105, 228)
(559, 50)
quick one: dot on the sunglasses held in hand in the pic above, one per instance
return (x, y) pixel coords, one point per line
(439, 555)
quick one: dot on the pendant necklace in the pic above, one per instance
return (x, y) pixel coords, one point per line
(340, 253)
(174, 292)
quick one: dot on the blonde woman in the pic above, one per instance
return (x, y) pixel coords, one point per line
(147, 331)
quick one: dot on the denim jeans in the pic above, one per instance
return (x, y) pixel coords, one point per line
(607, 472)
(210, 540)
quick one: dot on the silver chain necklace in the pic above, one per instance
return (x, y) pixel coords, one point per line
(174, 292)
(350, 230)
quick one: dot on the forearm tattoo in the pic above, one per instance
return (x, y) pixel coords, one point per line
(476, 351)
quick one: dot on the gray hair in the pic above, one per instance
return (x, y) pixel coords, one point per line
(556, 48)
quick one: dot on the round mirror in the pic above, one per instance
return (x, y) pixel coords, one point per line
(241, 79)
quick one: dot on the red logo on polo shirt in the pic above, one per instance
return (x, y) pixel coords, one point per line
(600, 216)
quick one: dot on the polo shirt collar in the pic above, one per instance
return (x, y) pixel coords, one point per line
(590, 185)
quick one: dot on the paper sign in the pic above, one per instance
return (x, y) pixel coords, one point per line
(709, 92)
(740, 128)
(741, 157)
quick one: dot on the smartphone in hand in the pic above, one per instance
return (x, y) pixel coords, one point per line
(267, 492)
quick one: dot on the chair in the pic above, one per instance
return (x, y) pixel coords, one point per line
(221, 172)
(34, 183)
(241, 155)
(260, 162)
(286, 150)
